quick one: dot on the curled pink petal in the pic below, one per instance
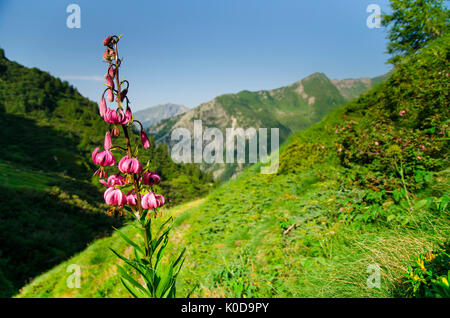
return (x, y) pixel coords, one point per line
(160, 200)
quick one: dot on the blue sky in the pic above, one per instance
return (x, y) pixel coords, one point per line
(189, 51)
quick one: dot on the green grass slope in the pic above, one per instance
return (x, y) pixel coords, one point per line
(366, 186)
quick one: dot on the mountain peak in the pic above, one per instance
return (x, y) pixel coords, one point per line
(316, 75)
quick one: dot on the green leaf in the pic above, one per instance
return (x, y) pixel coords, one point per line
(130, 241)
(126, 276)
(133, 293)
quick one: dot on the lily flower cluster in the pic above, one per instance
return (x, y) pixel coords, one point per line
(133, 178)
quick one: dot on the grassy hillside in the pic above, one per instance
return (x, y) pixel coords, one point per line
(366, 185)
(50, 209)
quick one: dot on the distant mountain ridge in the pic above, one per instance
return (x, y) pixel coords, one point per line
(351, 88)
(290, 108)
(152, 115)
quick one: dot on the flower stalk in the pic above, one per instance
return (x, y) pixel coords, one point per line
(137, 181)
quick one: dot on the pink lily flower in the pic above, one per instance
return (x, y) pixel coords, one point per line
(149, 201)
(152, 201)
(151, 178)
(104, 158)
(114, 196)
(131, 198)
(115, 179)
(117, 117)
(130, 165)
(160, 200)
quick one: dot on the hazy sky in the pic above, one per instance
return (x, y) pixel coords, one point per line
(189, 51)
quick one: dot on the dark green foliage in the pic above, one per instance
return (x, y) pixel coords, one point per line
(39, 229)
(413, 23)
(402, 127)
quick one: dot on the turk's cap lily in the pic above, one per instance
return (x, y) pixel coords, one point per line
(114, 196)
(113, 180)
(131, 198)
(117, 117)
(151, 178)
(130, 165)
(103, 158)
(152, 201)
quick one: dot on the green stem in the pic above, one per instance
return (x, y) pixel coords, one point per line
(130, 155)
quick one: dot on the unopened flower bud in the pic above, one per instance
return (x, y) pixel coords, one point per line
(108, 142)
(110, 95)
(102, 107)
(107, 40)
(144, 139)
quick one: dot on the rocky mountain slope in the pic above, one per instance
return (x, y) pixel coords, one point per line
(290, 108)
